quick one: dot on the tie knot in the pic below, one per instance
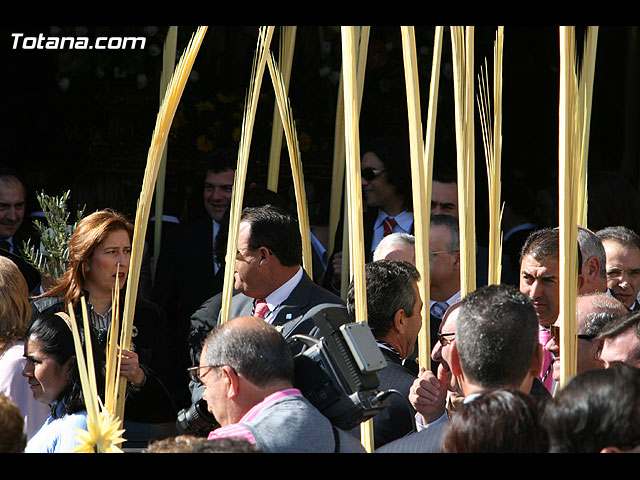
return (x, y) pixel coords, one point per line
(261, 308)
(438, 309)
(389, 224)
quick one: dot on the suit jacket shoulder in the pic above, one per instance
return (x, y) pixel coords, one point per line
(424, 441)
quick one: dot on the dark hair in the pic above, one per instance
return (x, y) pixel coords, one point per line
(8, 175)
(276, 229)
(595, 409)
(389, 289)
(56, 339)
(259, 353)
(623, 235)
(225, 445)
(222, 159)
(394, 153)
(498, 421)
(544, 244)
(496, 336)
(630, 321)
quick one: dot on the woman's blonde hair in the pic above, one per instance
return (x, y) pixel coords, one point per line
(15, 311)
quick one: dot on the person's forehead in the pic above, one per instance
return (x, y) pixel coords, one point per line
(449, 322)
(540, 266)
(439, 235)
(444, 191)
(371, 160)
(11, 189)
(627, 252)
(624, 346)
(224, 177)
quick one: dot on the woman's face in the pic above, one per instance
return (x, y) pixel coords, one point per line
(110, 259)
(47, 378)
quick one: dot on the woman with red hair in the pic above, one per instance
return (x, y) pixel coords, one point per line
(99, 258)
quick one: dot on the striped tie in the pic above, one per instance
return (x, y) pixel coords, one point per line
(261, 309)
(389, 223)
(438, 309)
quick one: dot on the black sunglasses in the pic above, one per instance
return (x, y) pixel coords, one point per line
(555, 334)
(369, 173)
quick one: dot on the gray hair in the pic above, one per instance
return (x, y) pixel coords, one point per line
(591, 246)
(259, 353)
(606, 308)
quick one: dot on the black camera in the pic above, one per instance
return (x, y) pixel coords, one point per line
(196, 420)
(335, 371)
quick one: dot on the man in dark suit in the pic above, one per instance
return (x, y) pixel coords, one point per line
(269, 279)
(494, 345)
(394, 316)
(188, 272)
(12, 236)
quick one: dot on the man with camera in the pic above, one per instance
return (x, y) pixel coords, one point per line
(247, 370)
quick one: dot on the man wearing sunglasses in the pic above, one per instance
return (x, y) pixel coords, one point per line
(387, 199)
(593, 312)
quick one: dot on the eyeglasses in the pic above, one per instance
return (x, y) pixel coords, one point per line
(442, 338)
(444, 251)
(370, 173)
(194, 372)
(555, 334)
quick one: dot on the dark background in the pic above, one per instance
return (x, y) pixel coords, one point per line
(68, 111)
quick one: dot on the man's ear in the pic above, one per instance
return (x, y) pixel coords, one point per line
(231, 381)
(265, 255)
(456, 369)
(456, 261)
(399, 320)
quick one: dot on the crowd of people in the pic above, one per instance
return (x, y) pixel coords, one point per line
(493, 383)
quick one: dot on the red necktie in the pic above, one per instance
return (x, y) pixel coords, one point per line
(388, 224)
(261, 309)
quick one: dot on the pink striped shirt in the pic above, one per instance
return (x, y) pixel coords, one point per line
(239, 430)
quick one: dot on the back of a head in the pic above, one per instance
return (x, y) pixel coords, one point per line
(15, 311)
(591, 246)
(601, 311)
(276, 229)
(498, 421)
(253, 348)
(389, 286)
(12, 436)
(596, 409)
(496, 336)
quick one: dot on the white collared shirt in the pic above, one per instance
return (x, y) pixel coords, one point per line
(404, 220)
(280, 294)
